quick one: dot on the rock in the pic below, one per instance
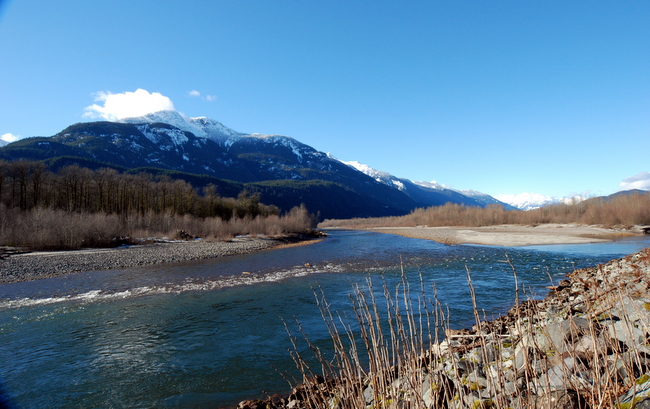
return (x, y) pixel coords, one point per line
(560, 399)
(638, 393)
(476, 381)
(626, 333)
(252, 404)
(588, 346)
(369, 394)
(438, 390)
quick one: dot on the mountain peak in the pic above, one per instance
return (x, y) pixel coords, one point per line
(201, 127)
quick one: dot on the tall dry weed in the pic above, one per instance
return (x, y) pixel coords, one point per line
(389, 353)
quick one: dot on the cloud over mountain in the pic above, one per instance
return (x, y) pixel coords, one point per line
(639, 181)
(127, 104)
(8, 138)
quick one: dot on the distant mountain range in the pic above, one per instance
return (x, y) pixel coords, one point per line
(284, 171)
(530, 201)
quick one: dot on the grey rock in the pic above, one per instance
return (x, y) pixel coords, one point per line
(626, 333)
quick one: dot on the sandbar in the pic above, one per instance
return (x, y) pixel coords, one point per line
(514, 235)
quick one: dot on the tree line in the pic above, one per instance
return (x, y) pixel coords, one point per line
(77, 207)
(624, 210)
(27, 185)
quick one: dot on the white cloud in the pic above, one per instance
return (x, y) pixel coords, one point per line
(127, 105)
(639, 181)
(9, 137)
(197, 94)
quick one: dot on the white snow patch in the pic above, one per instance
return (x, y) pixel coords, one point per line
(431, 185)
(398, 184)
(380, 176)
(201, 127)
(176, 136)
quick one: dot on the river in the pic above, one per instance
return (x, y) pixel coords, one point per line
(210, 333)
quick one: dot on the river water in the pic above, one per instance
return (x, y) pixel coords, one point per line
(210, 333)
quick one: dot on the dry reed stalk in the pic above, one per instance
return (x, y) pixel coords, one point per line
(395, 352)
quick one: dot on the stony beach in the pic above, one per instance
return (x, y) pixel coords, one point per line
(37, 265)
(586, 345)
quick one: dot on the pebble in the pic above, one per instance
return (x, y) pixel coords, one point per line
(37, 265)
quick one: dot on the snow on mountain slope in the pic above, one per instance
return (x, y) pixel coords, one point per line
(201, 127)
(204, 127)
(431, 185)
(379, 176)
(476, 198)
(299, 149)
(156, 135)
(169, 129)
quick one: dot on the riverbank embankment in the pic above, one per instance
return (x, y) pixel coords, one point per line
(585, 345)
(37, 265)
(514, 235)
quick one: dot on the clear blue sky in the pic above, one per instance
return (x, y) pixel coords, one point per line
(504, 97)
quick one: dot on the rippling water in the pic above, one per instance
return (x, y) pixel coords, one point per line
(210, 333)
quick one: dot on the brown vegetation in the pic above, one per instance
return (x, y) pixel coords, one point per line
(27, 185)
(79, 208)
(622, 210)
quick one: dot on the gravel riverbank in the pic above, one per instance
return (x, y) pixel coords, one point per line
(37, 265)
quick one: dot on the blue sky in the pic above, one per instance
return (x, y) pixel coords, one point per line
(503, 97)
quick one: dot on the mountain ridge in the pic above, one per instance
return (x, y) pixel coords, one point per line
(281, 168)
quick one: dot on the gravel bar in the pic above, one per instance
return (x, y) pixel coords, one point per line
(37, 265)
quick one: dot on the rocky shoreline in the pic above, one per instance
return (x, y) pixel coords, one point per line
(586, 345)
(36, 265)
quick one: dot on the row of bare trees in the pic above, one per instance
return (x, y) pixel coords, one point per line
(623, 210)
(77, 207)
(27, 185)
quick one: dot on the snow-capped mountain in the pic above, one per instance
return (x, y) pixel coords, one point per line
(529, 201)
(201, 127)
(3, 143)
(428, 193)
